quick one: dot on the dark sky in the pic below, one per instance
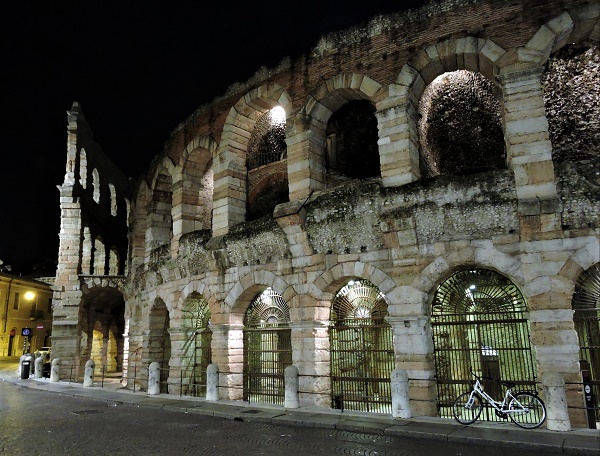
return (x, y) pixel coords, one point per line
(137, 71)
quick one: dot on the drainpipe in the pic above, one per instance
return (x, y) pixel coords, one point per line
(6, 305)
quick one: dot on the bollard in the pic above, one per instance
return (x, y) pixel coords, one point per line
(556, 402)
(291, 387)
(154, 378)
(400, 396)
(39, 363)
(21, 358)
(26, 367)
(88, 376)
(55, 370)
(212, 383)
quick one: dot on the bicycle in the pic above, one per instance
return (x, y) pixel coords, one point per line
(525, 409)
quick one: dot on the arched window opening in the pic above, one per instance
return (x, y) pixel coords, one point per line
(479, 321)
(267, 348)
(586, 316)
(197, 191)
(96, 185)
(351, 143)
(267, 143)
(572, 102)
(267, 194)
(113, 200)
(113, 261)
(83, 168)
(460, 126)
(362, 352)
(87, 266)
(196, 352)
(99, 257)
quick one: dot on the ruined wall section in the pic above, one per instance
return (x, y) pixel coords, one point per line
(90, 209)
(579, 190)
(378, 49)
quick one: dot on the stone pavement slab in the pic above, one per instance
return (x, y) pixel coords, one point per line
(584, 442)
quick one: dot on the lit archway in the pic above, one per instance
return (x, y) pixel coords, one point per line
(196, 352)
(362, 353)
(267, 348)
(479, 321)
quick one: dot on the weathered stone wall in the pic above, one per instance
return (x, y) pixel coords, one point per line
(533, 221)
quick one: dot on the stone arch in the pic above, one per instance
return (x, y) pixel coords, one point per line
(469, 53)
(483, 256)
(231, 168)
(328, 283)
(310, 129)
(581, 260)
(248, 287)
(193, 187)
(158, 341)
(159, 230)
(569, 53)
(138, 226)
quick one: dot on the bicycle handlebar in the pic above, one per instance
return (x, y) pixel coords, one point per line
(507, 384)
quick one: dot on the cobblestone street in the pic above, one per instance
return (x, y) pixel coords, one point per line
(44, 423)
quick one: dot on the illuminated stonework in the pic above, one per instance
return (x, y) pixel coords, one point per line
(381, 174)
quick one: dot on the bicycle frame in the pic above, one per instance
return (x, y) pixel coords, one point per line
(501, 407)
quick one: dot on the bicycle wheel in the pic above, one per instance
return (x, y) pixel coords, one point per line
(527, 410)
(465, 412)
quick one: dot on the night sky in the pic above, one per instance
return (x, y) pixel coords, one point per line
(137, 72)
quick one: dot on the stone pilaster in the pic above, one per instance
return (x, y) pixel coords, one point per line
(413, 351)
(310, 354)
(398, 136)
(305, 149)
(228, 354)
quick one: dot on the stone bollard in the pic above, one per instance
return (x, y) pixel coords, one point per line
(212, 383)
(55, 370)
(291, 387)
(154, 378)
(556, 402)
(21, 358)
(39, 365)
(88, 376)
(400, 397)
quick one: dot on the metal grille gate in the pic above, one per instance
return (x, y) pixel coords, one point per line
(586, 308)
(267, 352)
(362, 358)
(587, 324)
(362, 350)
(479, 321)
(267, 348)
(196, 352)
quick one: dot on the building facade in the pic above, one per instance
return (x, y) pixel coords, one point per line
(26, 315)
(420, 192)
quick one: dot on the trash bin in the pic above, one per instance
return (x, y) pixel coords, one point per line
(25, 367)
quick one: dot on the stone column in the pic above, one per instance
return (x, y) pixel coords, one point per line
(305, 150)
(180, 338)
(529, 153)
(398, 136)
(228, 355)
(413, 350)
(310, 354)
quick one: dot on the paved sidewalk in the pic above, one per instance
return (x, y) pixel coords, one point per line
(576, 442)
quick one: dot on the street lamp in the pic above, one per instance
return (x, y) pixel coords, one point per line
(26, 332)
